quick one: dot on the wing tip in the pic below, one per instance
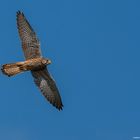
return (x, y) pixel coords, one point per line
(59, 107)
(19, 13)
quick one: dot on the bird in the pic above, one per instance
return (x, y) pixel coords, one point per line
(34, 62)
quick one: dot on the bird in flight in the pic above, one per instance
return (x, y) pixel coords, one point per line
(34, 62)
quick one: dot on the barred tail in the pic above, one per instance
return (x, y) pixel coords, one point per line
(11, 69)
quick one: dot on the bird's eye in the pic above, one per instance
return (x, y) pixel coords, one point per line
(44, 61)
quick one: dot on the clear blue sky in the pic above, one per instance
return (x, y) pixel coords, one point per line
(94, 46)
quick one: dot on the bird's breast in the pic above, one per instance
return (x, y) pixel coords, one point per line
(33, 64)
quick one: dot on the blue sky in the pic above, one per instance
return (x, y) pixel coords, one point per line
(94, 47)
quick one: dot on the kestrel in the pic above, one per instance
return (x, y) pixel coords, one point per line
(34, 62)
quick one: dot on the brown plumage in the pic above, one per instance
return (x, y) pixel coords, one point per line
(11, 69)
(30, 64)
(34, 63)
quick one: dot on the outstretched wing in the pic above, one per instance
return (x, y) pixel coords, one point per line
(48, 87)
(30, 43)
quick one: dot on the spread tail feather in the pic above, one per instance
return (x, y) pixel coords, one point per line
(11, 69)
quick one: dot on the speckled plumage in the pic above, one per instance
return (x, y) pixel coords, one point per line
(34, 62)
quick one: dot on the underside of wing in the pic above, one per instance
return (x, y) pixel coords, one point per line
(30, 42)
(48, 87)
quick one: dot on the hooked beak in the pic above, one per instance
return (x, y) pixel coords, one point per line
(49, 61)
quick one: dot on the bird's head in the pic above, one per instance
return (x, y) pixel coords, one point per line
(46, 61)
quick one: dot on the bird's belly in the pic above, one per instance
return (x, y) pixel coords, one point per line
(32, 64)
